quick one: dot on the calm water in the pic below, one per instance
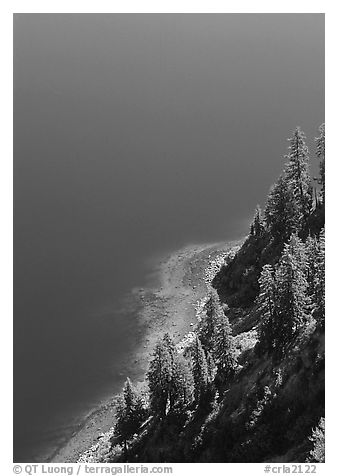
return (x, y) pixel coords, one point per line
(134, 135)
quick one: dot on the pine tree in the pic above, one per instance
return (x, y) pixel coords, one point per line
(170, 346)
(224, 348)
(312, 250)
(172, 369)
(207, 326)
(281, 214)
(200, 370)
(128, 394)
(159, 378)
(168, 378)
(257, 226)
(319, 281)
(130, 413)
(297, 173)
(267, 302)
(183, 383)
(320, 153)
(292, 299)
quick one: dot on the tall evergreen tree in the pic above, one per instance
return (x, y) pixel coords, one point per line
(130, 413)
(312, 250)
(281, 214)
(320, 153)
(267, 302)
(319, 281)
(129, 394)
(297, 173)
(168, 378)
(172, 357)
(224, 348)
(257, 226)
(200, 370)
(159, 377)
(183, 383)
(207, 326)
(292, 301)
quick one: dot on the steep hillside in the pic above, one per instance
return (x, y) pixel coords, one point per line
(247, 385)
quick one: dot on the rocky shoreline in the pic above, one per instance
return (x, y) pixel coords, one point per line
(172, 305)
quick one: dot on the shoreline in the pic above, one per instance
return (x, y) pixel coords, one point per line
(167, 306)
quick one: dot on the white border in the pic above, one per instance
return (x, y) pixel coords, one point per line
(6, 236)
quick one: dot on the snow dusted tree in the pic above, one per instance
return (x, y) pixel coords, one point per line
(319, 281)
(257, 226)
(131, 412)
(200, 370)
(183, 383)
(320, 153)
(281, 215)
(289, 202)
(129, 394)
(207, 326)
(292, 299)
(267, 302)
(224, 349)
(297, 173)
(312, 250)
(169, 378)
(159, 377)
(172, 356)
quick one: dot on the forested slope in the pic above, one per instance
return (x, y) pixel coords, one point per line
(249, 387)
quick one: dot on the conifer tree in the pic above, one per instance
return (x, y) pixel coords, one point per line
(172, 369)
(207, 326)
(257, 226)
(297, 173)
(312, 250)
(281, 214)
(131, 413)
(319, 281)
(183, 383)
(292, 300)
(267, 302)
(129, 394)
(320, 153)
(168, 378)
(159, 378)
(200, 370)
(224, 348)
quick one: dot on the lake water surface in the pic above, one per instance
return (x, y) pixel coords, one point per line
(134, 135)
